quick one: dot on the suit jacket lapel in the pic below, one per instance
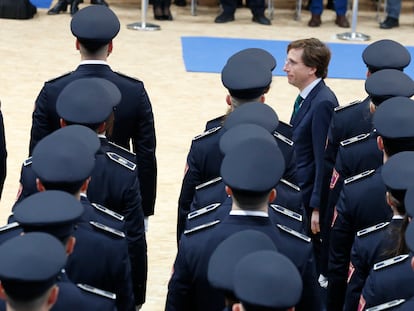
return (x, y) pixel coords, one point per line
(306, 104)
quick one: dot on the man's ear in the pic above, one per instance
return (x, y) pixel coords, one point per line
(229, 191)
(272, 195)
(237, 307)
(39, 185)
(2, 292)
(380, 143)
(70, 245)
(53, 296)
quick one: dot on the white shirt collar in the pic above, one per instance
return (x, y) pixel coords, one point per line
(93, 62)
(305, 92)
(248, 213)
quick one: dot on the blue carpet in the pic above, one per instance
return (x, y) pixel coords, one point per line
(209, 54)
(41, 4)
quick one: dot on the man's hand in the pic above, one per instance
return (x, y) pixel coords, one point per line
(315, 228)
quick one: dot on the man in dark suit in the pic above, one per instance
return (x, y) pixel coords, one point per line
(94, 28)
(306, 67)
(3, 154)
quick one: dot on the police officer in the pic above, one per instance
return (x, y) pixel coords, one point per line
(283, 132)
(360, 153)
(56, 213)
(361, 203)
(113, 180)
(383, 240)
(62, 161)
(220, 204)
(252, 189)
(94, 28)
(391, 279)
(228, 253)
(355, 118)
(29, 266)
(256, 277)
(247, 79)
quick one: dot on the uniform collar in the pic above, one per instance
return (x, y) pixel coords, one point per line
(93, 62)
(248, 213)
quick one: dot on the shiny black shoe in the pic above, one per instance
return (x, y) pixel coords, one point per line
(74, 7)
(389, 23)
(61, 6)
(261, 19)
(167, 14)
(99, 2)
(224, 18)
(158, 14)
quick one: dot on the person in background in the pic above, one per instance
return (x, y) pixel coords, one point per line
(229, 8)
(62, 6)
(316, 8)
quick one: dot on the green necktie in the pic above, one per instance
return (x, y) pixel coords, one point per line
(296, 107)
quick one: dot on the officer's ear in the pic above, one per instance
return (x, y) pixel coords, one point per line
(70, 245)
(85, 185)
(380, 143)
(77, 45)
(62, 123)
(229, 191)
(237, 307)
(2, 292)
(39, 185)
(228, 100)
(52, 297)
(412, 263)
(110, 47)
(272, 195)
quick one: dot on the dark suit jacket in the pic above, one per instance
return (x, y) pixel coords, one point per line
(310, 128)
(134, 121)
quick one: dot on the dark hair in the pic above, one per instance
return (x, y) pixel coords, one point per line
(92, 46)
(395, 145)
(249, 199)
(397, 235)
(69, 187)
(315, 54)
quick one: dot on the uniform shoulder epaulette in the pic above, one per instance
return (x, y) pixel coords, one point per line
(387, 305)
(390, 262)
(96, 291)
(108, 212)
(286, 211)
(9, 226)
(203, 211)
(128, 77)
(208, 183)
(354, 139)
(358, 176)
(285, 123)
(207, 133)
(121, 148)
(202, 227)
(121, 160)
(294, 233)
(283, 138)
(372, 228)
(291, 185)
(28, 161)
(107, 229)
(339, 108)
(59, 77)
